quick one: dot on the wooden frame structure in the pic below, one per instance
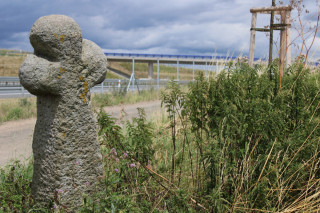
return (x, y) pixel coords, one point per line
(285, 33)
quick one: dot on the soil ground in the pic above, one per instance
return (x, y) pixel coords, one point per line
(16, 136)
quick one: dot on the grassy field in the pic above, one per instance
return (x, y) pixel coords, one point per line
(17, 108)
(22, 108)
(10, 64)
(165, 72)
(111, 75)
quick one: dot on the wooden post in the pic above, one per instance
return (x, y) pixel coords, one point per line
(271, 34)
(252, 38)
(282, 44)
(285, 35)
(288, 39)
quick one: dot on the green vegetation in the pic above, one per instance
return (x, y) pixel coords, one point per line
(22, 108)
(122, 97)
(165, 72)
(111, 75)
(13, 109)
(10, 62)
(15, 192)
(234, 143)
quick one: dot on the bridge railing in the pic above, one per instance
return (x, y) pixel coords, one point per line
(139, 55)
(175, 56)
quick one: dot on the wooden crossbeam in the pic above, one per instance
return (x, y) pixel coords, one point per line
(267, 29)
(276, 10)
(281, 25)
(260, 29)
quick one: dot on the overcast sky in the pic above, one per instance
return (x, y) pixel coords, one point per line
(200, 27)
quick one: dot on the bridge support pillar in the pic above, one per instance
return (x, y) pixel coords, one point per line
(178, 69)
(193, 71)
(150, 70)
(158, 74)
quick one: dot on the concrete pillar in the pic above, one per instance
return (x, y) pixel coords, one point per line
(207, 70)
(193, 70)
(150, 70)
(178, 69)
(158, 74)
(133, 78)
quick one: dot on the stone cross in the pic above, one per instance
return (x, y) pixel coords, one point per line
(67, 158)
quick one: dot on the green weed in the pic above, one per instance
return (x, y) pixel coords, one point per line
(14, 109)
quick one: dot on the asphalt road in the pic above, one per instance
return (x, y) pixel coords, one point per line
(17, 92)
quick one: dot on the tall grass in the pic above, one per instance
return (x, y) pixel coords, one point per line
(13, 109)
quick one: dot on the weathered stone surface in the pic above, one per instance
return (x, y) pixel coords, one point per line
(67, 159)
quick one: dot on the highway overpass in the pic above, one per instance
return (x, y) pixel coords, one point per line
(168, 59)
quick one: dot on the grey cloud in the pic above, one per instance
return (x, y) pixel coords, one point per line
(177, 27)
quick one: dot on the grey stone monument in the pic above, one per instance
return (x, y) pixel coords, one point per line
(63, 68)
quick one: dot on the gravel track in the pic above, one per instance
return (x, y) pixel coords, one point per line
(16, 136)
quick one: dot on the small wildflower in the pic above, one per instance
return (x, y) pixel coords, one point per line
(117, 160)
(125, 155)
(116, 170)
(113, 150)
(60, 190)
(87, 183)
(132, 165)
(77, 162)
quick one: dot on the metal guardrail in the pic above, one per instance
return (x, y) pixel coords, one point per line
(13, 84)
(9, 82)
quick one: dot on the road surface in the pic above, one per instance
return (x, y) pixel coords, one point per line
(16, 136)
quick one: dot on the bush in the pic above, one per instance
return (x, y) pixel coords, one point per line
(14, 113)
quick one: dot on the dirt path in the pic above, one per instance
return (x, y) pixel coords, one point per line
(16, 136)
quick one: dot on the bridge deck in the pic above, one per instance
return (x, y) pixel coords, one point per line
(168, 59)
